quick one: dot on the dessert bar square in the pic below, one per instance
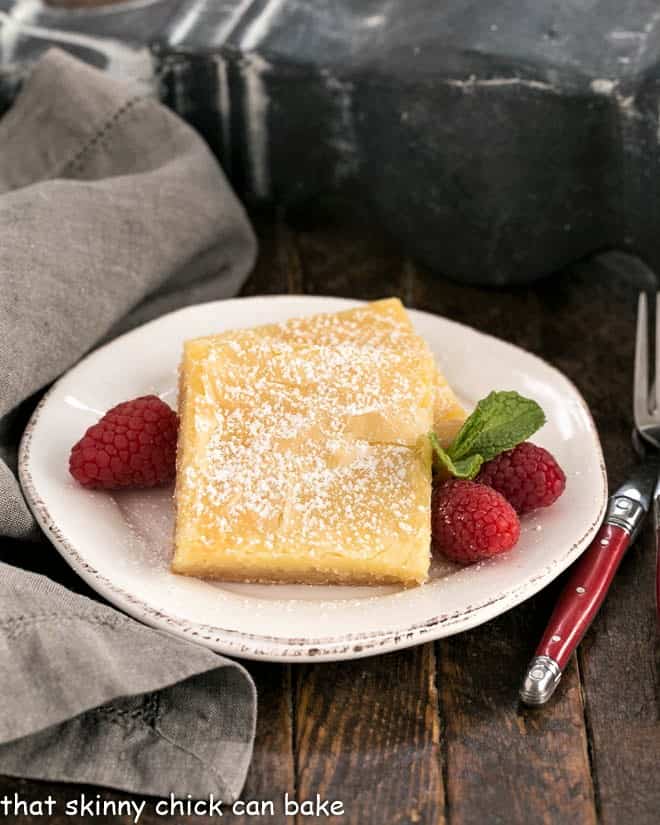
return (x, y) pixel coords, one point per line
(303, 454)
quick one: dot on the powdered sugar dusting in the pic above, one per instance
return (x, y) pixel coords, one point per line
(303, 451)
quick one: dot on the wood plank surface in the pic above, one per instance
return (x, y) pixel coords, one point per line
(434, 734)
(272, 772)
(367, 734)
(278, 269)
(583, 322)
(619, 656)
(349, 259)
(507, 763)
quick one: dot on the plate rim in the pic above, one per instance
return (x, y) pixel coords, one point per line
(299, 649)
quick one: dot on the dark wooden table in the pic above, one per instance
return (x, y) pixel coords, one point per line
(435, 734)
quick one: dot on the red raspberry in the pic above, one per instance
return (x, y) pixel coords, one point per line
(471, 522)
(527, 476)
(133, 445)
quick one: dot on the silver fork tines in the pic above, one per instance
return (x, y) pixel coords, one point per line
(646, 387)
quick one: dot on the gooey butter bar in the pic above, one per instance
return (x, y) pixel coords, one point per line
(303, 454)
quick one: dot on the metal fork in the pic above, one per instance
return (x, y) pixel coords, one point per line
(646, 396)
(591, 576)
(646, 389)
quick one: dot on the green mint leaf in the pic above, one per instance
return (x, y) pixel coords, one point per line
(501, 421)
(468, 467)
(460, 468)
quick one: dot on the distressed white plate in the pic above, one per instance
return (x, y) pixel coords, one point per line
(121, 544)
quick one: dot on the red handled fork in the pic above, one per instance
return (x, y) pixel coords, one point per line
(590, 578)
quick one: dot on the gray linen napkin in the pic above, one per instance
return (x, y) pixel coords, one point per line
(112, 211)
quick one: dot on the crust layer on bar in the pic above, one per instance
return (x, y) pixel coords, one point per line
(302, 453)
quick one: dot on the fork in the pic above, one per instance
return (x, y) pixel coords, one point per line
(647, 412)
(591, 576)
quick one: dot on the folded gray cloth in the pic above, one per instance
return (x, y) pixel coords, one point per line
(112, 211)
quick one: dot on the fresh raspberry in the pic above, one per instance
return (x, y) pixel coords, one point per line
(471, 522)
(133, 445)
(527, 476)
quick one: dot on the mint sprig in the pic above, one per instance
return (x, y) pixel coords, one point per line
(462, 467)
(500, 422)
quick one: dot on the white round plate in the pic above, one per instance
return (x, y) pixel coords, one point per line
(121, 543)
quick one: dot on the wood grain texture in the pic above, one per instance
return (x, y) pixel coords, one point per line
(278, 270)
(374, 733)
(506, 763)
(595, 304)
(367, 733)
(353, 260)
(272, 772)
(582, 321)
(619, 656)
